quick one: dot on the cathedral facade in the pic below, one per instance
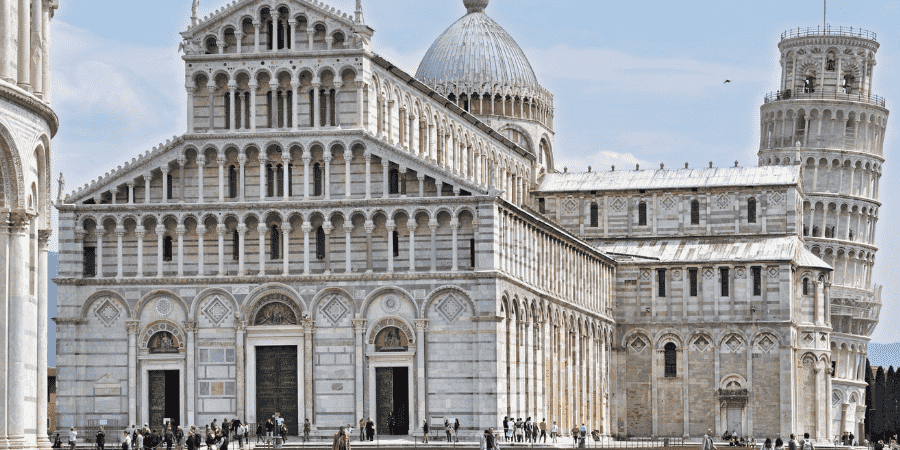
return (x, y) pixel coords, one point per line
(335, 239)
(27, 124)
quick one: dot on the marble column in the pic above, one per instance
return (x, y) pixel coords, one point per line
(4, 309)
(190, 369)
(306, 161)
(253, 86)
(286, 248)
(360, 110)
(240, 369)
(327, 229)
(120, 233)
(389, 228)
(348, 157)
(132, 327)
(20, 353)
(130, 185)
(24, 40)
(98, 233)
(421, 327)
(147, 178)
(433, 225)
(285, 161)
(261, 234)
(179, 232)
(201, 165)
(242, 232)
(327, 178)
(160, 234)
(139, 234)
(295, 102)
(262, 177)
(359, 327)
(201, 249)
(220, 231)
(316, 99)
(348, 247)
(454, 227)
(307, 228)
(309, 328)
(412, 244)
(370, 227)
(368, 157)
(43, 442)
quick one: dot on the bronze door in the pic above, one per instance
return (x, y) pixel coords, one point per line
(276, 385)
(157, 398)
(392, 400)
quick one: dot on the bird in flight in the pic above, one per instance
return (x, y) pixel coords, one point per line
(727, 81)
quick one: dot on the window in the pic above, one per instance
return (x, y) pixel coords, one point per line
(809, 84)
(167, 248)
(833, 368)
(274, 243)
(751, 210)
(695, 212)
(723, 274)
(393, 181)
(279, 180)
(89, 262)
(472, 253)
(228, 111)
(595, 215)
(317, 179)
(232, 182)
(270, 181)
(169, 187)
(235, 245)
(671, 358)
(542, 206)
(661, 280)
(290, 177)
(642, 213)
(692, 274)
(806, 286)
(396, 242)
(320, 243)
(757, 280)
(848, 83)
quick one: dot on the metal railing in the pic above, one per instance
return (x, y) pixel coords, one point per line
(820, 95)
(828, 31)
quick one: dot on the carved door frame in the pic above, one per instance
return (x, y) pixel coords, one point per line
(392, 359)
(162, 362)
(275, 337)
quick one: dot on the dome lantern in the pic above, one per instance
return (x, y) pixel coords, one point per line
(475, 6)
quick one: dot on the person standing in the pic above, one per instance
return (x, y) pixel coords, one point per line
(370, 429)
(179, 438)
(543, 427)
(362, 429)
(506, 428)
(456, 430)
(306, 429)
(260, 431)
(189, 439)
(341, 440)
(138, 441)
(806, 443)
(792, 444)
(169, 436)
(447, 429)
(270, 431)
(554, 431)
(424, 431)
(707, 442)
(101, 439)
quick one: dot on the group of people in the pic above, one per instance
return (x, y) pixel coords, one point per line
(846, 439)
(518, 430)
(734, 440)
(793, 444)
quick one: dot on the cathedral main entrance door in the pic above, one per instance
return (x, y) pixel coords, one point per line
(164, 398)
(276, 384)
(392, 400)
(734, 421)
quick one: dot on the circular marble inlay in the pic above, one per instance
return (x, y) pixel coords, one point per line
(163, 307)
(390, 304)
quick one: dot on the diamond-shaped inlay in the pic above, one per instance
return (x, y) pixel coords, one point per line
(766, 343)
(335, 309)
(570, 205)
(835, 398)
(773, 272)
(775, 198)
(808, 339)
(618, 204)
(733, 343)
(645, 274)
(723, 201)
(701, 343)
(708, 273)
(107, 313)
(451, 308)
(668, 202)
(638, 344)
(216, 310)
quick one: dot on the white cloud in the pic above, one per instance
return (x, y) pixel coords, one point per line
(615, 70)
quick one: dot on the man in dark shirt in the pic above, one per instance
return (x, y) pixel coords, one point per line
(370, 429)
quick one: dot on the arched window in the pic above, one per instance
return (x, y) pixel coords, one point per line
(317, 179)
(595, 215)
(695, 212)
(169, 186)
(270, 181)
(642, 213)
(806, 286)
(393, 181)
(235, 245)
(228, 111)
(671, 358)
(320, 243)
(167, 248)
(396, 238)
(279, 180)
(472, 253)
(232, 182)
(290, 176)
(275, 243)
(751, 210)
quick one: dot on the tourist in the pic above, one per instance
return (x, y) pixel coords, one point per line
(448, 429)
(554, 431)
(506, 433)
(494, 443)
(189, 439)
(210, 438)
(307, 428)
(126, 440)
(214, 426)
(101, 439)
(792, 444)
(456, 430)
(179, 438)
(138, 441)
(283, 431)
(270, 431)
(520, 430)
(223, 440)
(779, 444)
(527, 429)
(341, 440)
(543, 427)
(260, 431)
(534, 431)
(424, 431)
(362, 429)
(168, 436)
(707, 443)
(370, 429)
(390, 423)
(806, 443)
(153, 441)
(57, 443)
(851, 439)
(768, 444)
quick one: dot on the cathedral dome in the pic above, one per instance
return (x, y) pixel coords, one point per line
(477, 55)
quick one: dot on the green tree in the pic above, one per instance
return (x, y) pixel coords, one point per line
(890, 402)
(878, 419)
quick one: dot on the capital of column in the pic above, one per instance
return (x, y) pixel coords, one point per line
(253, 85)
(348, 155)
(316, 86)
(180, 230)
(327, 157)
(370, 226)
(306, 227)
(44, 238)
(139, 234)
(348, 228)
(309, 326)
(261, 229)
(286, 227)
(201, 160)
(368, 156)
(242, 159)
(18, 222)
(390, 225)
(191, 327)
(295, 84)
(220, 229)
(327, 228)
(412, 227)
(240, 327)
(98, 233)
(454, 223)
(242, 229)
(263, 160)
(132, 326)
(421, 324)
(160, 229)
(120, 231)
(359, 325)
(164, 169)
(239, 34)
(360, 84)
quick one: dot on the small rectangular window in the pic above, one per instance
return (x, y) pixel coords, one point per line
(472, 253)
(757, 280)
(167, 248)
(235, 246)
(595, 215)
(661, 280)
(542, 206)
(89, 261)
(692, 274)
(695, 212)
(723, 274)
(642, 213)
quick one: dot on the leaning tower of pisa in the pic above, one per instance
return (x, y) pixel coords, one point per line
(826, 118)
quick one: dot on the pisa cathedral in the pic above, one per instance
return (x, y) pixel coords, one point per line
(334, 238)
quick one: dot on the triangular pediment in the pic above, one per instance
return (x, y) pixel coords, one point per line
(234, 13)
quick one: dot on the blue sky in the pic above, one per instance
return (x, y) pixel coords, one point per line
(634, 82)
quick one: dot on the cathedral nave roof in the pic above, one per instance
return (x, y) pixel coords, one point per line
(626, 180)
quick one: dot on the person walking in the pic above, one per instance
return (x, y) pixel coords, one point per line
(456, 430)
(362, 429)
(260, 431)
(169, 436)
(73, 437)
(527, 429)
(189, 439)
(506, 428)
(179, 438)
(341, 440)
(370, 429)
(543, 427)
(554, 432)
(126, 440)
(707, 442)
(270, 431)
(138, 441)
(424, 431)
(806, 443)
(101, 439)
(307, 428)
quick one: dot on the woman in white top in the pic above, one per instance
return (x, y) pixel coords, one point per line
(73, 436)
(554, 431)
